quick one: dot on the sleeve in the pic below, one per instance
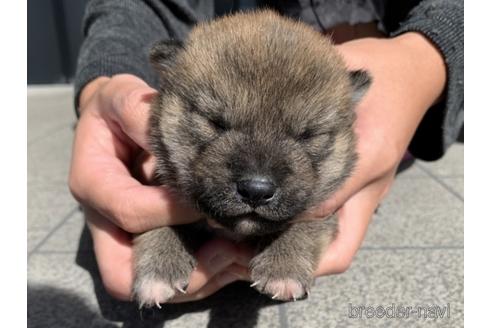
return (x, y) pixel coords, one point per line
(441, 21)
(118, 35)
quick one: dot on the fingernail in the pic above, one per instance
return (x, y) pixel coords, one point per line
(220, 260)
(226, 278)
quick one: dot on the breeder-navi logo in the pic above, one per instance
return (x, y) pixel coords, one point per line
(399, 311)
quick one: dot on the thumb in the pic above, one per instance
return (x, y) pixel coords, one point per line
(130, 107)
(217, 267)
(213, 257)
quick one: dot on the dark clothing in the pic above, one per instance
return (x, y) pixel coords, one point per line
(119, 33)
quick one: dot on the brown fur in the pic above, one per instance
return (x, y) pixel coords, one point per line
(245, 95)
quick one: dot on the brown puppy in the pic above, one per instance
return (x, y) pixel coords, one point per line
(253, 124)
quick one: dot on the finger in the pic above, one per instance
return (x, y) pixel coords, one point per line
(137, 208)
(113, 250)
(244, 254)
(240, 271)
(353, 220)
(232, 273)
(100, 179)
(128, 103)
(220, 262)
(212, 258)
(144, 168)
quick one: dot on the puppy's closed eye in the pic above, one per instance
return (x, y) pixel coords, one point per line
(310, 134)
(218, 123)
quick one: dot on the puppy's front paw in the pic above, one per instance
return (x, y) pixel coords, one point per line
(154, 286)
(282, 279)
(162, 266)
(152, 292)
(282, 289)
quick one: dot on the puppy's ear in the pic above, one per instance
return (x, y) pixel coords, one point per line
(361, 81)
(163, 54)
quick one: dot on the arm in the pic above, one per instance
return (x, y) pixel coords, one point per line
(118, 35)
(441, 22)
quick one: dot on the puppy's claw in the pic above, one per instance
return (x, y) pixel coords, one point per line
(181, 287)
(275, 296)
(254, 284)
(158, 305)
(181, 290)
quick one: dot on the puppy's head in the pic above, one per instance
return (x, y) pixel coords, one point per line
(254, 118)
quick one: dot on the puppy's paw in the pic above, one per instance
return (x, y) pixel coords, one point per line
(152, 290)
(158, 281)
(283, 289)
(281, 280)
(159, 275)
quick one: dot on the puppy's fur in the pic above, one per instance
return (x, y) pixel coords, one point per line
(247, 96)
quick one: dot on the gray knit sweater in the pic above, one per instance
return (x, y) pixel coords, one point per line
(119, 33)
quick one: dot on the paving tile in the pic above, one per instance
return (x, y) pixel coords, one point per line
(50, 306)
(48, 196)
(417, 213)
(69, 237)
(49, 108)
(456, 184)
(451, 165)
(60, 294)
(65, 289)
(404, 277)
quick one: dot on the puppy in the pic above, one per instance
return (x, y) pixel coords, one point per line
(253, 125)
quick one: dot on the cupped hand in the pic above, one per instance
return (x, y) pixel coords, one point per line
(110, 140)
(409, 76)
(220, 262)
(110, 135)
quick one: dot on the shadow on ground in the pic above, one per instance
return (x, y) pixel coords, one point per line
(52, 307)
(236, 305)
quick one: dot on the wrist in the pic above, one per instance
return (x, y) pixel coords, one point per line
(428, 64)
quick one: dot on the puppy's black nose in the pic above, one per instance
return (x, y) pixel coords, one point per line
(257, 190)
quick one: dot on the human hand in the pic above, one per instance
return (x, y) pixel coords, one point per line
(219, 262)
(110, 139)
(409, 76)
(110, 136)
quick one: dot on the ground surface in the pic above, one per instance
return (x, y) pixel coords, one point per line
(412, 255)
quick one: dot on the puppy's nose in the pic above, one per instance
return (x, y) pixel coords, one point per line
(257, 190)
